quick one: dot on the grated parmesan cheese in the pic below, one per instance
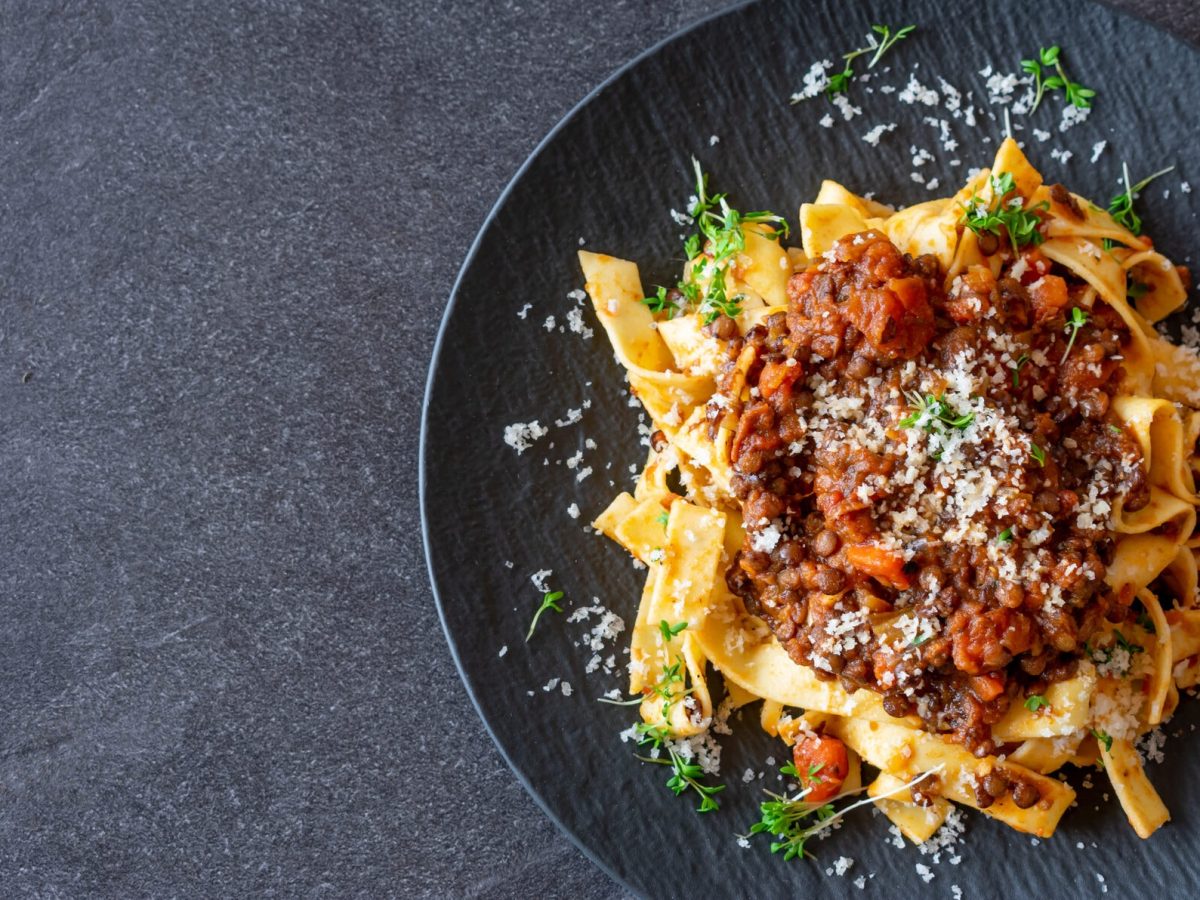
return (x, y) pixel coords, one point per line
(872, 137)
(522, 435)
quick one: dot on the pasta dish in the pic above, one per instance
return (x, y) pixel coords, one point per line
(923, 486)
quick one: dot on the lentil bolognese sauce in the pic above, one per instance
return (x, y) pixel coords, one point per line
(941, 455)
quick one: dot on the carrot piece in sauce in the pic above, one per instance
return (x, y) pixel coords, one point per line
(885, 565)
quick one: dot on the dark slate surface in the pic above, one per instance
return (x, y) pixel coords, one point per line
(229, 230)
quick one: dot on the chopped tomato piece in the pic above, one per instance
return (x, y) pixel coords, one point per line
(1049, 296)
(755, 428)
(896, 320)
(884, 565)
(1036, 265)
(777, 377)
(821, 766)
(987, 687)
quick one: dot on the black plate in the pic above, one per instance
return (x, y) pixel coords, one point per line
(609, 174)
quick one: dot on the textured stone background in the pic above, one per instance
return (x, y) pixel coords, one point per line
(229, 232)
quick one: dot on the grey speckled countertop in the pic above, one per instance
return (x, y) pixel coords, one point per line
(229, 231)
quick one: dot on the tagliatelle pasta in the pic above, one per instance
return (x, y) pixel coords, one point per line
(924, 487)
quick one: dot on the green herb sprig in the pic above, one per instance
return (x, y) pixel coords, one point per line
(1021, 362)
(1034, 702)
(1147, 623)
(1001, 217)
(813, 773)
(664, 687)
(654, 735)
(632, 701)
(1078, 318)
(1121, 206)
(711, 249)
(670, 676)
(1136, 290)
(839, 83)
(1126, 645)
(669, 631)
(934, 414)
(549, 601)
(888, 39)
(1104, 738)
(1104, 654)
(1038, 454)
(792, 821)
(661, 301)
(685, 775)
(1051, 58)
(784, 819)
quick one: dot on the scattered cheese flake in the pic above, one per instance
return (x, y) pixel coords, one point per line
(522, 435)
(816, 79)
(915, 92)
(843, 105)
(872, 137)
(1072, 116)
